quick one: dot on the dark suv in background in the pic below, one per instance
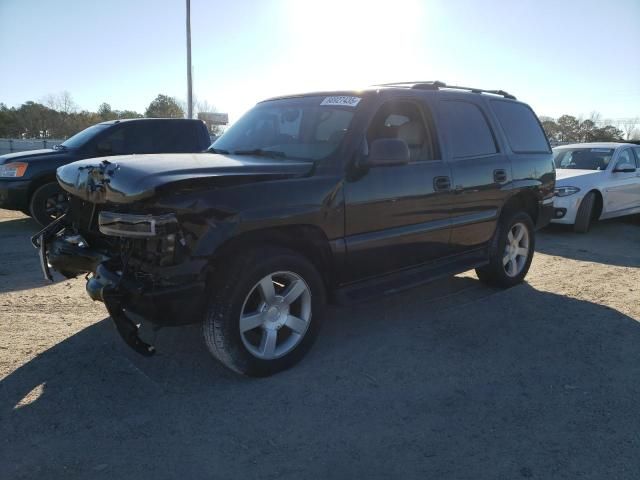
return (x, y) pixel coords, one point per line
(307, 199)
(28, 179)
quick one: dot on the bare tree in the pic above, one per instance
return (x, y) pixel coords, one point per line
(61, 102)
(204, 106)
(630, 127)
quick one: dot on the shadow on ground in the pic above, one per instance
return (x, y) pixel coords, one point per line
(19, 264)
(452, 381)
(606, 242)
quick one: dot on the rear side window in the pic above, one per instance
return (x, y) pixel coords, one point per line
(175, 137)
(469, 132)
(129, 138)
(520, 125)
(636, 150)
(138, 138)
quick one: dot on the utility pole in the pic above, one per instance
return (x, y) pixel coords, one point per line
(189, 86)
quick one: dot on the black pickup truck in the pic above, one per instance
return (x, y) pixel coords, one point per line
(331, 196)
(28, 179)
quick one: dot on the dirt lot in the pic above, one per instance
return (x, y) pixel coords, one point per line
(452, 380)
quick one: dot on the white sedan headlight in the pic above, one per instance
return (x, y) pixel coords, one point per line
(565, 191)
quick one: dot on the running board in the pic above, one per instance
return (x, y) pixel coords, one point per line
(412, 277)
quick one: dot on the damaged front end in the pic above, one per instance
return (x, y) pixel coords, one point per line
(137, 264)
(145, 230)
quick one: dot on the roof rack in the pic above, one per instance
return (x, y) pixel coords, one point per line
(437, 85)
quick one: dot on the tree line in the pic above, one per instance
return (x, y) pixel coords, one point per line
(570, 129)
(57, 116)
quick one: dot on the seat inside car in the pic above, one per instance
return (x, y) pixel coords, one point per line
(413, 134)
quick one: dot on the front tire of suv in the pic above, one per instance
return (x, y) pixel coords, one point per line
(266, 311)
(511, 252)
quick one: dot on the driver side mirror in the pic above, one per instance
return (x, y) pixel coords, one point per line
(105, 147)
(386, 152)
(624, 168)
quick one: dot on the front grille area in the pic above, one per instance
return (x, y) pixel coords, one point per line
(83, 214)
(165, 248)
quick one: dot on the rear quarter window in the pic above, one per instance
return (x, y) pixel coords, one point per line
(520, 125)
(176, 137)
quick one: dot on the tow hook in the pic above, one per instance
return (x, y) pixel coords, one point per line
(125, 326)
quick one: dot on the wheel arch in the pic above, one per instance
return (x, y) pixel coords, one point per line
(309, 241)
(525, 200)
(598, 208)
(37, 182)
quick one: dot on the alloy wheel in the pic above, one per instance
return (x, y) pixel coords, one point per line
(275, 315)
(516, 250)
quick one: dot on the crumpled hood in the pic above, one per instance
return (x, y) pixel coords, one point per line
(129, 178)
(576, 175)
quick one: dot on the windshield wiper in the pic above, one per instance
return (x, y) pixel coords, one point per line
(259, 152)
(60, 147)
(217, 150)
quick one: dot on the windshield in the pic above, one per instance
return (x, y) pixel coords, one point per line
(582, 158)
(80, 138)
(308, 128)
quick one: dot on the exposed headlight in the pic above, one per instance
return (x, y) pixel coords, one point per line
(565, 191)
(13, 170)
(137, 226)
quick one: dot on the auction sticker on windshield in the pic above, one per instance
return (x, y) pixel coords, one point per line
(341, 100)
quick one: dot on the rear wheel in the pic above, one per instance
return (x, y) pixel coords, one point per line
(511, 251)
(585, 213)
(266, 311)
(48, 202)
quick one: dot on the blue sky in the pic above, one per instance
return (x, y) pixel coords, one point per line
(560, 56)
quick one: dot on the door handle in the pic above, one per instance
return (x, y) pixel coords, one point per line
(441, 184)
(500, 175)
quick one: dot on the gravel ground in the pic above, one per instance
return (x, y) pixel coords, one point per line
(452, 380)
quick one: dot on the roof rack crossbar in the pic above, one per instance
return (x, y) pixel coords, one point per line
(437, 85)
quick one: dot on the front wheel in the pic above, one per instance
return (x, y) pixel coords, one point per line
(265, 313)
(48, 202)
(511, 252)
(585, 213)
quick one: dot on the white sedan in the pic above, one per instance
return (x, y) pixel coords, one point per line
(595, 181)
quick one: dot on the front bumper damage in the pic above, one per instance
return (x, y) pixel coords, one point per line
(171, 296)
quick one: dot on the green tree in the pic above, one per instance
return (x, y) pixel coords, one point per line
(8, 123)
(105, 113)
(608, 133)
(586, 130)
(128, 114)
(164, 106)
(34, 120)
(568, 129)
(551, 129)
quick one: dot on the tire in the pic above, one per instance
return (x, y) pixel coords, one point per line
(47, 203)
(585, 213)
(505, 275)
(238, 289)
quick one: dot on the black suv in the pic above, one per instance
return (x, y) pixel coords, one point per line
(28, 179)
(307, 199)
